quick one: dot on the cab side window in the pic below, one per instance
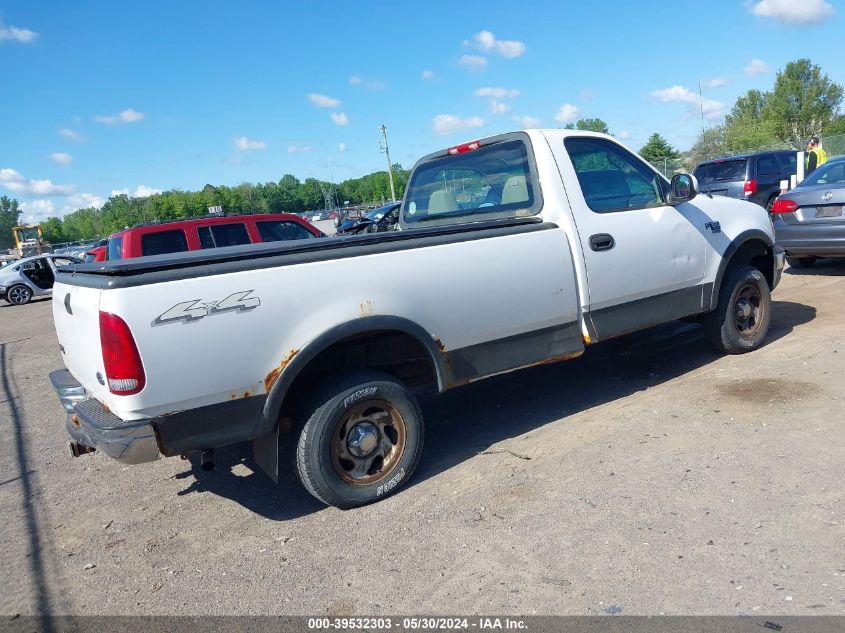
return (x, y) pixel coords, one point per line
(611, 178)
(162, 242)
(217, 235)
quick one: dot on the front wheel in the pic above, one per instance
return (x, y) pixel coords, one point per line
(362, 439)
(19, 295)
(741, 319)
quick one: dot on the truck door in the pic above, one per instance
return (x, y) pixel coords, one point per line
(645, 259)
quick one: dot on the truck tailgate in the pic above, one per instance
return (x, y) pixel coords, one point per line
(76, 315)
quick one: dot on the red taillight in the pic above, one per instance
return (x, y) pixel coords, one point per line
(124, 371)
(784, 206)
(750, 187)
(466, 147)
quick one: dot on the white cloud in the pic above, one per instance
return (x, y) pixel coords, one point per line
(339, 118)
(497, 93)
(61, 157)
(756, 67)
(527, 121)
(802, 12)
(678, 94)
(716, 82)
(126, 116)
(341, 147)
(40, 209)
(37, 210)
(370, 84)
(487, 42)
(427, 74)
(142, 191)
(243, 143)
(16, 34)
(499, 107)
(568, 113)
(444, 124)
(15, 182)
(71, 135)
(624, 135)
(473, 62)
(322, 101)
(299, 149)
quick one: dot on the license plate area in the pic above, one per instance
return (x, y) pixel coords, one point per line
(830, 211)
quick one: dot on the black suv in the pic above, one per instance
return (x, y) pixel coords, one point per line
(754, 177)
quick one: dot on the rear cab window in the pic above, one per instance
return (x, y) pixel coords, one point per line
(162, 242)
(282, 230)
(217, 235)
(494, 180)
(115, 248)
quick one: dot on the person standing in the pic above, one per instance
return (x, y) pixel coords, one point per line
(816, 156)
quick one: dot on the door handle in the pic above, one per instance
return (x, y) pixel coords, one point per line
(602, 242)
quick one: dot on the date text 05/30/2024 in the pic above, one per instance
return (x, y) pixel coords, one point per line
(416, 624)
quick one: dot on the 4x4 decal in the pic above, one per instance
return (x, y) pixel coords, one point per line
(197, 309)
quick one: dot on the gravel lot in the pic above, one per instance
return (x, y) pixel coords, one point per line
(649, 476)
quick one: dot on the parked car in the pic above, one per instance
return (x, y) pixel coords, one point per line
(23, 279)
(195, 234)
(382, 219)
(96, 254)
(809, 221)
(753, 177)
(582, 241)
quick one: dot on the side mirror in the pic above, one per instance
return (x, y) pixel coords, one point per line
(684, 188)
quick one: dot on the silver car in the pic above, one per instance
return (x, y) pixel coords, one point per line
(809, 221)
(30, 277)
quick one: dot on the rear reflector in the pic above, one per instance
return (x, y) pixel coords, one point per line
(466, 147)
(784, 206)
(750, 187)
(122, 362)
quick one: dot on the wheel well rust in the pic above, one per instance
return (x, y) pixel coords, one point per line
(396, 353)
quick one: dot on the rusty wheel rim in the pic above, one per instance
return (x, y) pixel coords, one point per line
(368, 442)
(748, 310)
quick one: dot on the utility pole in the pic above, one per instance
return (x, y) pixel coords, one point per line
(384, 148)
(701, 107)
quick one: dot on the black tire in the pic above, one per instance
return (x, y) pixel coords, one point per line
(376, 408)
(801, 262)
(742, 317)
(19, 295)
(770, 204)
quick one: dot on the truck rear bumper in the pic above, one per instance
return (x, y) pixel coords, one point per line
(90, 424)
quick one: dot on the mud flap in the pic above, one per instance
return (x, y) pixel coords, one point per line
(265, 451)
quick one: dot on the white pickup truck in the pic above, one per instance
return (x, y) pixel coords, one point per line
(513, 251)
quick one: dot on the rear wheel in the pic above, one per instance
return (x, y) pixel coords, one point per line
(362, 439)
(19, 295)
(771, 203)
(801, 262)
(741, 319)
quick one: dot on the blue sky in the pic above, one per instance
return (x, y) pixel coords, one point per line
(109, 96)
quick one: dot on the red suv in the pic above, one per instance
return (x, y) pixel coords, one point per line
(208, 232)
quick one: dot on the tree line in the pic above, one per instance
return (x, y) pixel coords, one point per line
(288, 195)
(802, 102)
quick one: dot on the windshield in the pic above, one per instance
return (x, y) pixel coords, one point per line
(832, 173)
(490, 182)
(377, 214)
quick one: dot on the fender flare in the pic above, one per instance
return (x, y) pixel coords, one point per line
(730, 251)
(277, 393)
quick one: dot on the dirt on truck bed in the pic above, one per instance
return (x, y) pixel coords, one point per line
(648, 476)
